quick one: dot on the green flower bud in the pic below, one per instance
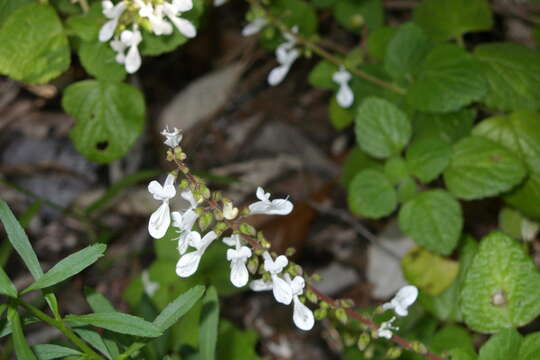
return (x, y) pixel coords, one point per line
(247, 229)
(205, 220)
(341, 315)
(310, 295)
(363, 341)
(393, 353)
(320, 314)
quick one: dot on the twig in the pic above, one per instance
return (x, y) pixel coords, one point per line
(325, 54)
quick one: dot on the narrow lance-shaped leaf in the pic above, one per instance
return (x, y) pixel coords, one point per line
(174, 311)
(52, 351)
(209, 325)
(118, 322)
(22, 349)
(6, 286)
(71, 265)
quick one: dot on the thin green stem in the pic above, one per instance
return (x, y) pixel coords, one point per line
(132, 349)
(325, 54)
(63, 328)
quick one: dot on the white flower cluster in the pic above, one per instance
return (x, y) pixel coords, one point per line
(405, 297)
(161, 15)
(285, 289)
(345, 96)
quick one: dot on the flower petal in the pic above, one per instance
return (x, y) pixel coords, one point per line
(155, 188)
(260, 285)
(345, 96)
(259, 207)
(297, 285)
(185, 27)
(281, 207)
(282, 290)
(133, 59)
(107, 30)
(302, 315)
(188, 264)
(183, 5)
(239, 273)
(231, 240)
(262, 195)
(159, 221)
(280, 262)
(277, 75)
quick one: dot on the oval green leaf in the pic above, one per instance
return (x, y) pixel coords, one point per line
(427, 159)
(433, 220)
(371, 194)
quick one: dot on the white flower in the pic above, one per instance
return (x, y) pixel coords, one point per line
(183, 223)
(172, 138)
(188, 196)
(345, 96)
(173, 12)
(281, 289)
(120, 49)
(302, 315)
(113, 13)
(405, 297)
(254, 27)
(386, 328)
(155, 15)
(286, 55)
(238, 258)
(188, 263)
(231, 240)
(219, 2)
(150, 287)
(229, 212)
(132, 39)
(270, 207)
(161, 218)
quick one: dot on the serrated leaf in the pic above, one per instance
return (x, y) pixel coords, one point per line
(371, 194)
(502, 346)
(378, 40)
(445, 19)
(110, 117)
(366, 89)
(405, 51)
(34, 47)
(513, 75)
(430, 272)
(98, 59)
(407, 189)
(449, 127)
(71, 265)
(6, 286)
(460, 354)
(501, 286)
(519, 132)
(9, 6)
(356, 161)
(22, 349)
(174, 311)
(52, 351)
(481, 168)
(396, 170)
(530, 347)
(448, 79)
(452, 337)
(354, 14)
(118, 322)
(209, 325)
(433, 220)
(87, 25)
(382, 129)
(427, 159)
(526, 197)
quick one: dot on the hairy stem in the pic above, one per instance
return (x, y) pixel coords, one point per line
(63, 328)
(235, 226)
(325, 54)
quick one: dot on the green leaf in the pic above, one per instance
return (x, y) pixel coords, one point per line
(382, 129)
(9, 6)
(407, 189)
(481, 168)
(519, 132)
(365, 89)
(513, 75)
(452, 337)
(19, 240)
(94, 339)
(430, 272)
(34, 47)
(296, 13)
(448, 79)
(502, 346)
(449, 127)
(378, 40)
(340, 118)
(526, 197)
(513, 223)
(396, 170)
(446, 19)
(355, 162)
(427, 159)
(405, 51)
(87, 25)
(354, 14)
(209, 325)
(174, 311)
(118, 322)
(52, 351)
(530, 347)
(22, 350)
(98, 302)
(371, 194)
(433, 220)
(110, 117)
(321, 75)
(98, 59)
(6, 286)
(501, 286)
(460, 354)
(236, 344)
(68, 267)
